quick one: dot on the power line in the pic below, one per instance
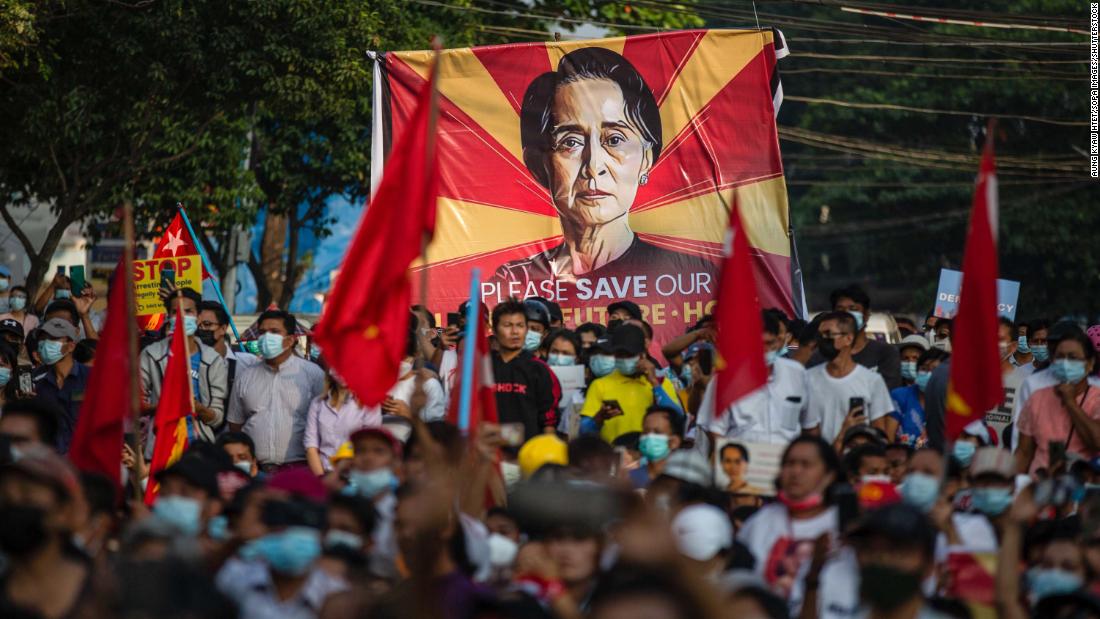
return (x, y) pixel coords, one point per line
(925, 110)
(960, 22)
(924, 59)
(949, 44)
(514, 14)
(957, 76)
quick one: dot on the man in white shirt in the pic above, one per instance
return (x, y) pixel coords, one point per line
(776, 413)
(845, 393)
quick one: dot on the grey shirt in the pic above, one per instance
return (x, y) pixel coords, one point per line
(271, 404)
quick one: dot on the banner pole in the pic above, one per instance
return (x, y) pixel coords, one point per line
(473, 314)
(127, 280)
(209, 269)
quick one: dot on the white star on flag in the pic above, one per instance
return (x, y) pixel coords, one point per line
(174, 243)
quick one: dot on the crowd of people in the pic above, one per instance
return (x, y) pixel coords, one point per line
(608, 486)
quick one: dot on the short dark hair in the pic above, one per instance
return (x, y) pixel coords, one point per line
(586, 448)
(808, 333)
(932, 354)
(237, 438)
(844, 319)
(779, 315)
(1005, 322)
(825, 451)
(738, 446)
(289, 322)
(218, 309)
(187, 293)
(427, 312)
(1079, 336)
(592, 327)
(675, 419)
(1039, 324)
(62, 305)
(853, 461)
(771, 323)
(360, 507)
(853, 292)
(45, 414)
(508, 307)
(563, 334)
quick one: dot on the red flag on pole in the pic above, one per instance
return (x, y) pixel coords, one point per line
(975, 383)
(175, 241)
(483, 404)
(741, 367)
(365, 324)
(97, 440)
(174, 410)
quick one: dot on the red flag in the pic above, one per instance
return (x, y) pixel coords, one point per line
(975, 383)
(175, 241)
(366, 320)
(97, 440)
(737, 314)
(483, 400)
(175, 409)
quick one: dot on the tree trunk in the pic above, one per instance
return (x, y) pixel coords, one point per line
(291, 274)
(40, 258)
(272, 260)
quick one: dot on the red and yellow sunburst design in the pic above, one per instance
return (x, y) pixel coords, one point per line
(713, 89)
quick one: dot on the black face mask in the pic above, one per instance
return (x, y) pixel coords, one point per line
(827, 348)
(886, 588)
(22, 529)
(614, 322)
(206, 336)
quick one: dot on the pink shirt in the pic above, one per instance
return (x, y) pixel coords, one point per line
(1045, 419)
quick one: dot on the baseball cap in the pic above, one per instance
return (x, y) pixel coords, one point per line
(59, 327)
(899, 524)
(982, 431)
(702, 531)
(542, 450)
(5, 271)
(689, 466)
(602, 344)
(629, 306)
(993, 461)
(10, 325)
(695, 349)
(196, 471)
(870, 432)
(42, 464)
(913, 341)
(628, 339)
(379, 432)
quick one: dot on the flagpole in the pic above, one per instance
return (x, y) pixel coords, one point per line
(131, 333)
(473, 311)
(210, 269)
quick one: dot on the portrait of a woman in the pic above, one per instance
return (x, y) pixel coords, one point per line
(591, 134)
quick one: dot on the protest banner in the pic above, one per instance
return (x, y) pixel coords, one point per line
(147, 301)
(947, 295)
(586, 172)
(765, 460)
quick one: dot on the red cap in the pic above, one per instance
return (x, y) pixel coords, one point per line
(380, 432)
(299, 481)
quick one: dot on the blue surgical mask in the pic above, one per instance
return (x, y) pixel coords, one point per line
(654, 447)
(964, 452)
(560, 360)
(1040, 352)
(291, 551)
(1021, 345)
(50, 351)
(217, 528)
(190, 324)
(921, 380)
(601, 365)
(5, 376)
(182, 512)
(992, 501)
(532, 340)
(770, 356)
(1068, 370)
(61, 293)
(686, 375)
(244, 466)
(17, 303)
(314, 352)
(271, 345)
(859, 320)
(920, 490)
(370, 483)
(335, 538)
(1044, 582)
(627, 367)
(909, 370)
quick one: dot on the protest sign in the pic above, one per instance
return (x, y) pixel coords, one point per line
(763, 467)
(685, 125)
(147, 280)
(947, 295)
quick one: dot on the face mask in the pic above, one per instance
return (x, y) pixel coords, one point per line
(62, 294)
(511, 473)
(909, 370)
(1002, 348)
(811, 502)
(886, 588)
(335, 538)
(859, 320)
(654, 447)
(404, 369)
(1044, 582)
(370, 483)
(1041, 353)
(206, 336)
(218, 528)
(17, 303)
(770, 356)
(190, 323)
(964, 452)
(5, 376)
(827, 348)
(686, 375)
(920, 491)
(601, 365)
(1068, 370)
(22, 530)
(992, 501)
(290, 552)
(50, 351)
(271, 345)
(531, 341)
(922, 379)
(944, 344)
(4, 283)
(314, 352)
(502, 551)
(245, 466)
(1021, 345)
(179, 511)
(559, 360)
(627, 367)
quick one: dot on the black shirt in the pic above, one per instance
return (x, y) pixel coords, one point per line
(67, 396)
(524, 393)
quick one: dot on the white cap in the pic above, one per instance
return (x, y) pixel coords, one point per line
(701, 531)
(918, 341)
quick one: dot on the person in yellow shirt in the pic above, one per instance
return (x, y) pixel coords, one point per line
(616, 404)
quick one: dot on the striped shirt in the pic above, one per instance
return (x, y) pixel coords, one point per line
(271, 405)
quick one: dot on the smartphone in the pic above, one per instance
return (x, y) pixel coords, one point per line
(706, 361)
(454, 319)
(1057, 450)
(26, 382)
(854, 403)
(612, 404)
(76, 278)
(167, 275)
(61, 270)
(512, 434)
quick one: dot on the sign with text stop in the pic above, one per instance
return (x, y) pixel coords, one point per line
(147, 276)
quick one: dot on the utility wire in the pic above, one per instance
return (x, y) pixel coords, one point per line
(925, 110)
(957, 76)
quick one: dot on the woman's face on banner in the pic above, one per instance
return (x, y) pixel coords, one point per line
(598, 154)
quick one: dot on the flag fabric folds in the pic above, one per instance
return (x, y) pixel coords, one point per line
(175, 410)
(97, 441)
(741, 368)
(975, 383)
(365, 325)
(483, 400)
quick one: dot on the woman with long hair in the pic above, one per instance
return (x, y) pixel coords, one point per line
(331, 419)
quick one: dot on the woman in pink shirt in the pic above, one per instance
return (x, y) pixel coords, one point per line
(1068, 412)
(331, 419)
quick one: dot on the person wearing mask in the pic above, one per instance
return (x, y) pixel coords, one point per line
(208, 370)
(17, 309)
(400, 397)
(779, 535)
(701, 332)
(12, 334)
(616, 403)
(563, 350)
(661, 432)
(907, 422)
(213, 331)
(58, 298)
(774, 414)
(538, 323)
(270, 399)
(331, 419)
(1032, 352)
(350, 522)
(1068, 412)
(623, 311)
(906, 327)
(524, 386)
(241, 451)
(910, 350)
(807, 343)
(374, 476)
(845, 393)
(8, 369)
(60, 381)
(879, 357)
(589, 332)
(188, 496)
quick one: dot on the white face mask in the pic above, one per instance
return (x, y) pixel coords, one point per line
(511, 473)
(405, 368)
